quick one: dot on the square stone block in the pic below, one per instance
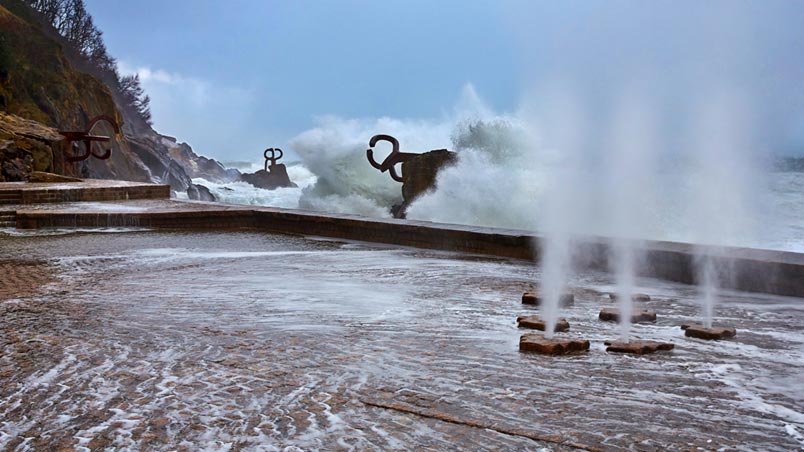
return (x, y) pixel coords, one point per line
(637, 315)
(712, 334)
(535, 299)
(555, 346)
(535, 322)
(638, 347)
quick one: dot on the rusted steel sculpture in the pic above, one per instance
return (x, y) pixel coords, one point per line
(393, 158)
(87, 138)
(273, 158)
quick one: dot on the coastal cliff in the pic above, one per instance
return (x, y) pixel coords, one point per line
(45, 85)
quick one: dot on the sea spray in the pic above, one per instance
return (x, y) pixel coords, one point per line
(335, 151)
(494, 182)
(504, 168)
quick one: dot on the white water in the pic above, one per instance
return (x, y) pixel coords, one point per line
(245, 193)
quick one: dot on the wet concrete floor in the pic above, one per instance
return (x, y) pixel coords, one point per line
(252, 341)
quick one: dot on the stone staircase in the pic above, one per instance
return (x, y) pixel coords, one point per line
(10, 197)
(8, 219)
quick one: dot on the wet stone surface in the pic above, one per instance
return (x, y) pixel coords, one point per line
(714, 333)
(143, 341)
(637, 315)
(638, 347)
(535, 299)
(535, 322)
(641, 297)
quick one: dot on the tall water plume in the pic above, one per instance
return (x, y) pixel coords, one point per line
(628, 163)
(560, 125)
(725, 180)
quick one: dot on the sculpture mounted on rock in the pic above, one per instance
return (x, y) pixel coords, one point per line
(418, 170)
(273, 176)
(273, 158)
(87, 138)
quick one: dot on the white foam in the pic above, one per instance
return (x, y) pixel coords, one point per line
(247, 194)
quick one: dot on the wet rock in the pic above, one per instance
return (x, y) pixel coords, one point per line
(17, 169)
(419, 176)
(535, 322)
(161, 422)
(199, 192)
(701, 332)
(637, 315)
(638, 347)
(535, 299)
(196, 165)
(420, 172)
(555, 346)
(634, 297)
(275, 177)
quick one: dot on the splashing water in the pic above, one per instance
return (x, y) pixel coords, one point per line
(247, 194)
(555, 268)
(624, 256)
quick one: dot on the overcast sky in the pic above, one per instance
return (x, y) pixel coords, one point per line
(233, 78)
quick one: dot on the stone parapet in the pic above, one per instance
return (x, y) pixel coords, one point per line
(751, 270)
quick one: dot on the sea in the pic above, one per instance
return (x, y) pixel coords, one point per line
(779, 224)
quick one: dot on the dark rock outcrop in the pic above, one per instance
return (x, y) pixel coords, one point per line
(25, 146)
(419, 176)
(200, 193)
(198, 166)
(275, 177)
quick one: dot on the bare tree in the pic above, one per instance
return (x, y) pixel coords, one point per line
(74, 24)
(134, 96)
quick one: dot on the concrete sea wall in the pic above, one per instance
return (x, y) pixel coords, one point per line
(765, 271)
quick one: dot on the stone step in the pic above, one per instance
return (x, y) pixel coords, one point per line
(8, 220)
